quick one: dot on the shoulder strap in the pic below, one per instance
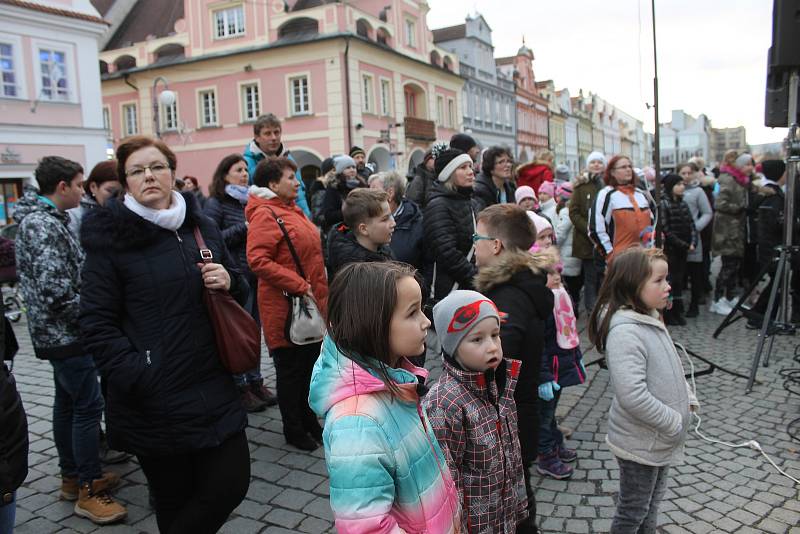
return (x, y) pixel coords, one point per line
(205, 252)
(295, 257)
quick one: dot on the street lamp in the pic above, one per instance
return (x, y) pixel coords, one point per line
(166, 98)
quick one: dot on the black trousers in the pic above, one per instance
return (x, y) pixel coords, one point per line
(197, 491)
(573, 285)
(726, 280)
(293, 366)
(697, 281)
(676, 260)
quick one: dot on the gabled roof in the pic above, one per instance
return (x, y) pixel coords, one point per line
(147, 17)
(53, 10)
(450, 33)
(102, 6)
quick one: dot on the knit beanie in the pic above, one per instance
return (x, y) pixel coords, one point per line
(448, 161)
(773, 169)
(541, 223)
(743, 160)
(457, 314)
(326, 166)
(523, 192)
(564, 191)
(563, 174)
(356, 150)
(462, 142)
(670, 181)
(595, 156)
(342, 162)
(548, 188)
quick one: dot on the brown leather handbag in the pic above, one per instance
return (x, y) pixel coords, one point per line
(238, 335)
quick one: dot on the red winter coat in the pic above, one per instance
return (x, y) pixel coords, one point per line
(270, 260)
(534, 175)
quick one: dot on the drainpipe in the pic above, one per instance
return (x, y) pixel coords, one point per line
(347, 93)
(129, 84)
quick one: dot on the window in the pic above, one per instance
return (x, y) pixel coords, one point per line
(229, 22)
(465, 101)
(508, 113)
(411, 33)
(476, 106)
(169, 117)
(8, 77)
(107, 122)
(451, 113)
(53, 67)
(411, 103)
(487, 109)
(498, 118)
(130, 121)
(440, 111)
(208, 107)
(300, 96)
(251, 104)
(386, 98)
(368, 94)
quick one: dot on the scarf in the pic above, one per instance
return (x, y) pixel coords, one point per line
(566, 329)
(238, 192)
(740, 177)
(170, 218)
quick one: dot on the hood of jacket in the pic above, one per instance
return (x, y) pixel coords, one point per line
(342, 243)
(255, 150)
(510, 265)
(115, 226)
(409, 215)
(438, 189)
(629, 316)
(421, 171)
(260, 196)
(336, 378)
(30, 203)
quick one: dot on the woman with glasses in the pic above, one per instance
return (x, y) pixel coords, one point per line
(622, 215)
(143, 319)
(494, 185)
(449, 224)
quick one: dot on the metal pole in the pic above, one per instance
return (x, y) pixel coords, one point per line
(791, 178)
(657, 148)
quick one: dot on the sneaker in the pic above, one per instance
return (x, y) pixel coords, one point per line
(250, 402)
(263, 393)
(566, 454)
(97, 505)
(550, 465)
(720, 307)
(70, 490)
(730, 302)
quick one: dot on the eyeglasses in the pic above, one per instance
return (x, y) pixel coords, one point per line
(157, 168)
(478, 237)
(621, 167)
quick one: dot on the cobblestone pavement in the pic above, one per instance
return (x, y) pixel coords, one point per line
(715, 490)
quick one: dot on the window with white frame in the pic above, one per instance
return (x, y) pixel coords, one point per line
(229, 22)
(476, 106)
(451, 113)
(208, 107)
(53, 69)
(8, 73)
(439, 110)
(368, 93)
(498, 117)
(487, 109)
(107, 121)
(411, 33)
(130, 120)
(251, 103)
(169, 116)
(386, 98)
(465, 101)
(508, 114)
(300, 95)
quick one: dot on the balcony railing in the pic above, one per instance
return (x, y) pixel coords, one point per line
(420, 129)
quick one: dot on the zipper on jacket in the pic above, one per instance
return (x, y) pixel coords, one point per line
(147, 357)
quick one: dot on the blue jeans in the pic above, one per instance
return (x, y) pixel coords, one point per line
(550, 436)
(248, 377)
(77, 409)
(641, 488)
(7, 515)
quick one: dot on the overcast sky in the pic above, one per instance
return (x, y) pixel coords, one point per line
(712, 54)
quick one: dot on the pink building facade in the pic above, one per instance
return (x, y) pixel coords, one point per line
(50, 99)
(363, 73)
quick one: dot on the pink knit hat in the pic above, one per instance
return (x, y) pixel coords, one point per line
(539, 222)
(523, 192)
(548, 188)
(564, 190)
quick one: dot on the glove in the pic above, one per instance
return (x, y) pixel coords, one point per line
(546, 390)
(583, 369)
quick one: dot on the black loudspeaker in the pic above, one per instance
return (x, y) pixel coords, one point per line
(784, 56)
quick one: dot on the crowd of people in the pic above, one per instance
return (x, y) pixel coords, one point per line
(499, 260)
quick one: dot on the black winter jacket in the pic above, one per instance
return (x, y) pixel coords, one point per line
(420, 186)
(13, 424)
(518, 287)
(449, 223)
(144, 321)
(487, 194)
(228, 213)
(343, 249)
(407, 241)
(332, 204)
(677, 225)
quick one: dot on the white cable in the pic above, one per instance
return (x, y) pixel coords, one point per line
(752, 444)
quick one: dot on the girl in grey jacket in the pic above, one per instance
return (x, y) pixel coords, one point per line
(650, 412)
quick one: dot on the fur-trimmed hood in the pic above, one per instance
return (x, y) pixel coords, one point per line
(115, 226)
(511, 264)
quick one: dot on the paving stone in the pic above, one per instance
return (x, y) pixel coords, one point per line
(241, 525)
(284, 518)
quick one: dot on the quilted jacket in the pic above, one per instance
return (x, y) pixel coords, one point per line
(475, 420)
(387, 472)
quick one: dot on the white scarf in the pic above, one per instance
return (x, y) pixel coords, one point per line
(170, 218)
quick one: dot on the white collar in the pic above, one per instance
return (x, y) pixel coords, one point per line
(170, 218)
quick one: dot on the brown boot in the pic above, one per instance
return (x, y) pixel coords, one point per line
(69, 485)
(250, 402)
(97, 505)
(263, 393)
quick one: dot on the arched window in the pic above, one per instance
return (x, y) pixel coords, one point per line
(364, 29)
(302, 26)
(436, 59)
(103, 67)
(173, 50)
(125, 62)
(447, 63)
(383, 37)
